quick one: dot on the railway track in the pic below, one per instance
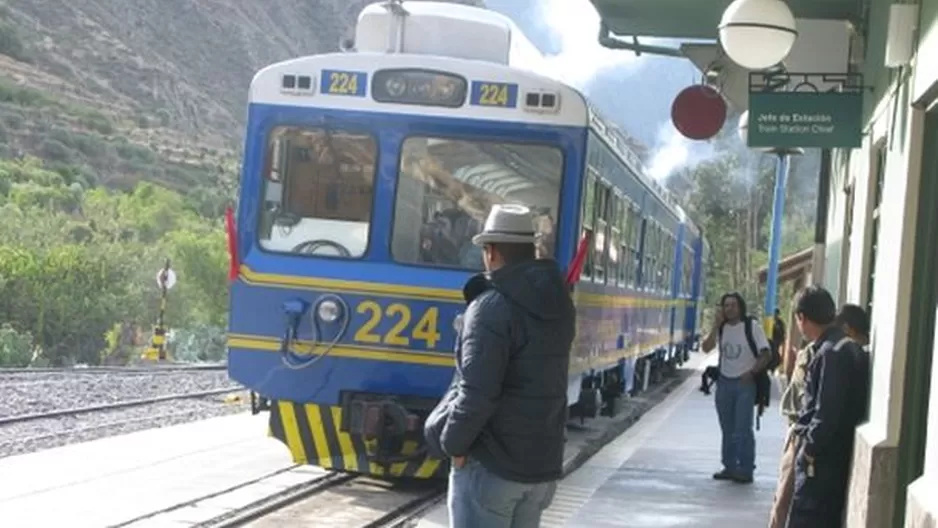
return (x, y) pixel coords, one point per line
(328, 498)
(141, 369)
(51, 407)
(21, 418)
(356, 502)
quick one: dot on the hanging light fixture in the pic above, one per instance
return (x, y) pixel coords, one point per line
(757, 34)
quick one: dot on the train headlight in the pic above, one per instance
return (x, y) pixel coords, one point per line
(328, 311)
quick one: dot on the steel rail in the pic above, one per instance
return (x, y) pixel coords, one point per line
(116, 370)
(279, 501)
(412, 510)
(192, 502)
(96, 427)
(20, 418)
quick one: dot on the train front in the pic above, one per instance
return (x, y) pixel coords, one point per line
(354, 241)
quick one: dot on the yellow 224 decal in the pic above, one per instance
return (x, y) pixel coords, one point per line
(426, 328)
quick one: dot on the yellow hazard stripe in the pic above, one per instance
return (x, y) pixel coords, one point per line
(313, 434)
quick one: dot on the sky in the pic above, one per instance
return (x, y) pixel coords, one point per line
(567, 32)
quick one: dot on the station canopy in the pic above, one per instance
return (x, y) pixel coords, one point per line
(698, 19)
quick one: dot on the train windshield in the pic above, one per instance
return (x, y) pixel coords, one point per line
(319, 191)
(447, 187)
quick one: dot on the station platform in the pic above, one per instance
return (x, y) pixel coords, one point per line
(114, 480)
(659, 472)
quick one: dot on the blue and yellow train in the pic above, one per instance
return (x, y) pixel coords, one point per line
(365, 175)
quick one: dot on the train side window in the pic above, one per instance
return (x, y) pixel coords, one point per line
(600, 235)
(682, 288)
(665, 263)
(447, 186)
(669, 279)
(649, 252)
(612, 265)
(635, 234)
(318, 192)
(656, 258)
(625, 253)
(587, 219)
(671, 256)
(659, 258)
(687, 271)
(662, 258)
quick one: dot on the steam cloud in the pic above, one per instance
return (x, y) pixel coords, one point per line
(577, 58)
(574, 28)
(674, 151)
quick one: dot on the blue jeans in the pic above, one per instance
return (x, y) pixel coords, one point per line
(735, 400)
(477, 498)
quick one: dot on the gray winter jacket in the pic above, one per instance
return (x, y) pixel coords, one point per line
(507, 404)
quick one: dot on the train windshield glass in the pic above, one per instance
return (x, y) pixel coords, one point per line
(319, 189)
(447, 187)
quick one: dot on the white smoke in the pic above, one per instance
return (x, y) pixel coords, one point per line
(671, 152)
(574, 27)
(574, 24)
(674, 151)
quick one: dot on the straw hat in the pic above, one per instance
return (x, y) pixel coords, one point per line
(507, 224)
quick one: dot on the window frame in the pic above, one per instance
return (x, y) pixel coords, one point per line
(588, 220)
(612, 238)
(625, 251)
(603, 191)
(495, 139)
(635, 246)
(267, 168)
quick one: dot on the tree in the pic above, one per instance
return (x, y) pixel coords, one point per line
(730, 197)
(77, 265)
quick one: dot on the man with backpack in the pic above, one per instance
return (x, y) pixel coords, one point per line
(744, 357)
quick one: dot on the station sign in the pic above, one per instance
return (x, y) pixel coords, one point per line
(805, 116)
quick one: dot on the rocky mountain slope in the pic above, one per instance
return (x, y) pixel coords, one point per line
(122, 90)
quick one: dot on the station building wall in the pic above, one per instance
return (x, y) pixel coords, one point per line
(878, 252)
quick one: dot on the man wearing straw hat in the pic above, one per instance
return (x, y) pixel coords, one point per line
(502, 422)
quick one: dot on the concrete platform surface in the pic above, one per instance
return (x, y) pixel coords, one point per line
(659, 473)
(116, 479)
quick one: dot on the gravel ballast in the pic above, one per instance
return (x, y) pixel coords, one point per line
(29, 393)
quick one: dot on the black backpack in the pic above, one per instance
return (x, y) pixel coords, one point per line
(763, 382)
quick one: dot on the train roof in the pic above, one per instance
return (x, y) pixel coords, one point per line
(305, 82)
(477, 43)
(447, 30)
(615, 138)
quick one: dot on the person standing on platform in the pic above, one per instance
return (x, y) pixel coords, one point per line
(835, 401)
(744, 354)
(790, 407)
(502, 422)
(855, 322)
(779, 333)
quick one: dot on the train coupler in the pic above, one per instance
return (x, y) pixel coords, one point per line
(385, 426)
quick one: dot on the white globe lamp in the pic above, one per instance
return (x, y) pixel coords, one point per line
(757, 34)
(742, 129)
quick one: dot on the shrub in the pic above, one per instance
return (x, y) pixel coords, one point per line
(16, 348)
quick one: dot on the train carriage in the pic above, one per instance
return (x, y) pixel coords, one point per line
(365, 175)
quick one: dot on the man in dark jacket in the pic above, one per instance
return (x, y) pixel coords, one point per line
(502, 421)
(834, 403)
